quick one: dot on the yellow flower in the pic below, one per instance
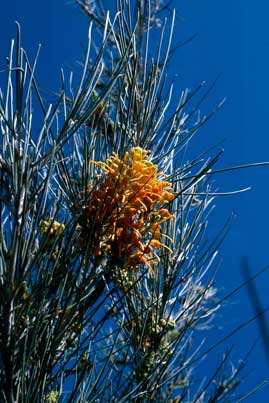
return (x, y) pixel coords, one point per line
(52, 228)
(52, 397)
(125, 209)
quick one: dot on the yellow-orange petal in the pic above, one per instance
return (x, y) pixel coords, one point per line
(155, 243)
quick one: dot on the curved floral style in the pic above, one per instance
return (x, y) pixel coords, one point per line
(126, 209)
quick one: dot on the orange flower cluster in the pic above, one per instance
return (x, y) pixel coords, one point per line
(125, 209)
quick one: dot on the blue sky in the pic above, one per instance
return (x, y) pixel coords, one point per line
(232, 40)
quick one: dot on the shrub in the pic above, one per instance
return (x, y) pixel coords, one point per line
(106, 272)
